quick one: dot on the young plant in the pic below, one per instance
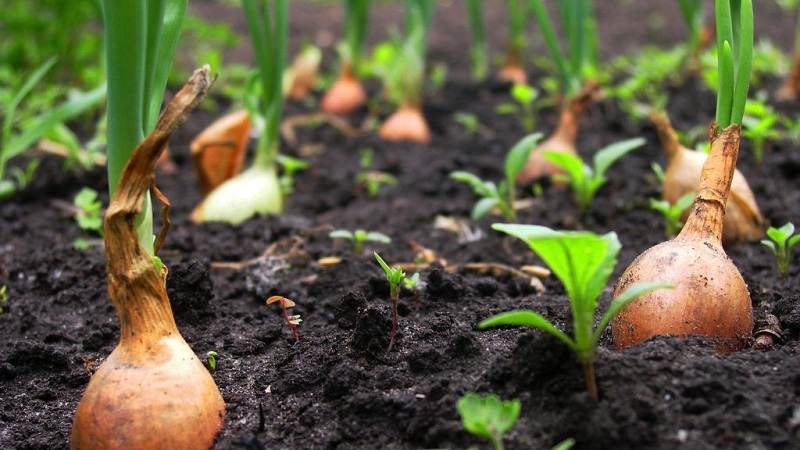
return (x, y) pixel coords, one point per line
(3, 299)
(577, 21)
(583, 261)
(395, 277)
(584, 179)
(408, 123)
(257, 190)
(359, 237)
(758, 126)
(413, 284)
(488, 417)
(292, 320)
(372, 180)
(152, 391)
(290, 166)
(501, 196)
(14, 142)
(710, 296)
(512, 70)
(347, 94)
(88, 215)
(526, 106)
(479, 49)
(781, 241)
(692, 13)
(672, 212)
(211, 359)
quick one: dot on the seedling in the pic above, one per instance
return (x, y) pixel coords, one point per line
(3, 299)
(672, 212)
(395, 277)
(88, 216)
(359, 237)
(347, 94)
(211, 358)
(501, 196)
(413, 284)
(585, 180)
(758, 126)
(583, 261)
(781, 243)
(292, 320)
(488, 417)
(512, 70)
(372, 180)
(479, 49)
(470, 122)
(526, 107)
(290, 166)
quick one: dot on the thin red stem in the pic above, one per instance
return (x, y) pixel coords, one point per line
(394, 324)
(289, 322)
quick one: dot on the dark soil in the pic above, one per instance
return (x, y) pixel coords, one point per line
(338, 387)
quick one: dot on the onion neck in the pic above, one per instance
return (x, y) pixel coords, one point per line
(666, 135)
(708, 210)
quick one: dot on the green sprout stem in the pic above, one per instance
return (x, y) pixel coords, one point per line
(355, 29)
(395, 277)
(734, 58)
(140, 42)
(479, 50)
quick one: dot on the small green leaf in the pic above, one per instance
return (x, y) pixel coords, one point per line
(483, 206)
(519, 154)
(374, 236)
(606, 156)
(529, 319)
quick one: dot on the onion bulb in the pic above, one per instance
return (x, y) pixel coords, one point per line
(346, 95)
(406, 124)
(152, 392)
(743, 220)
(710, 296)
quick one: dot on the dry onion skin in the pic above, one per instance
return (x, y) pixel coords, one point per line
(152, 392)
(710, 296)
(218, 151)
(743, 219)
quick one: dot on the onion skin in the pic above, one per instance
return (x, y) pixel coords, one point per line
(743, 219)
(710, 296)
(347, 95)
(218, 151)
(788, 90)
(512, 70)
(152, 392)
(406, 124)
(562, 140)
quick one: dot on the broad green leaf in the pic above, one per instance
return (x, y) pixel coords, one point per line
(571, 164)
(483, 206)
(529, 319)
(606, 156)
(519, 154)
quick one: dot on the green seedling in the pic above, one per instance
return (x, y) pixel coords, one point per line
(211, 358)
(734, 59)
(479, 49)
(758, 125)
(501, 196)
(395, 277)
(292, 320)
(583, 261)
(413, 284)
(780, 242)
(372, 180)
(290, 166)
(672, 212)
(359, 237)
(659, 173)
(3, 299)
(88, 215)
(488, 417)
(470, 122)
(526, 107)
(586, 180)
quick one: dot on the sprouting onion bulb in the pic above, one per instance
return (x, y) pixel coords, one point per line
(347, 94)
(710, 296)
(743, 219)
(152, 392)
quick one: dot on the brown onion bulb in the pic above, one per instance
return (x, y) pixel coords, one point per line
(406, 124)
(710, 296)
(346, 95)
(218, 151)
(743, 219)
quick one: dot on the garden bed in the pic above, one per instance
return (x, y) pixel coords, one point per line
(338, 387)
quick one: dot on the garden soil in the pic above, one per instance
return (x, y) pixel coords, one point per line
(339, 387)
